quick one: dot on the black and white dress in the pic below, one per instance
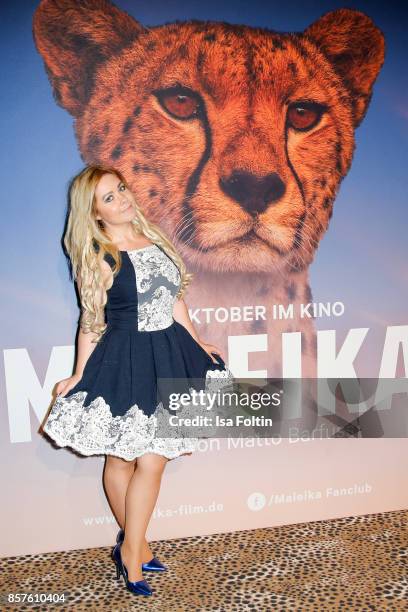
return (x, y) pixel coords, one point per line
(114, 409)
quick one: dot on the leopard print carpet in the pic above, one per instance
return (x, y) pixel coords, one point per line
(353, 563)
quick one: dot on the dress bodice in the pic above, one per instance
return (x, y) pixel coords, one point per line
(143, 293)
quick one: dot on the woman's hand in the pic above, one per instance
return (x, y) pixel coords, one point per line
(210, 348)
(67, 384)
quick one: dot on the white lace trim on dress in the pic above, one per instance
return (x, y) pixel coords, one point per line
(93, 430)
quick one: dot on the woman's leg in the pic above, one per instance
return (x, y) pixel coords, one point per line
(116, 477)
(141, 497)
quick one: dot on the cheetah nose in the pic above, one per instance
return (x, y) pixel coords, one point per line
(252, 192)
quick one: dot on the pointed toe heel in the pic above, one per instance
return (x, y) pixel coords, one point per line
(154, 565)
(138, 587)
(141, 587)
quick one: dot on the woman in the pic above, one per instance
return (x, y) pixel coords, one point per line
(134, 330)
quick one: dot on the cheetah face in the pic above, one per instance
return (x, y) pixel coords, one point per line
(234, 139)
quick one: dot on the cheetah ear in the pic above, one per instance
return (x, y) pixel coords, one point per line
(355, 47)
(74, 38)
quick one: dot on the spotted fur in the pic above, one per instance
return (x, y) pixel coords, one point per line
(234, 140)
(199, 116)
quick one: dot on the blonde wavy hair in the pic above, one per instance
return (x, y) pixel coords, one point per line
(87, 244)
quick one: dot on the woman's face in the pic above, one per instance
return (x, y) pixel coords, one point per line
(114, 203)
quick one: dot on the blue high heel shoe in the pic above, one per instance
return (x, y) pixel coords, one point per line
(138, 587)
(154, 565)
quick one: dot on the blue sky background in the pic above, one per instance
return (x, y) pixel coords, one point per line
(361, 260)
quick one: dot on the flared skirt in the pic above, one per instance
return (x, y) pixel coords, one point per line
(120, 406)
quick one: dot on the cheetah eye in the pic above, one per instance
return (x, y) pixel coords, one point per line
(302, 116)
(180, 102)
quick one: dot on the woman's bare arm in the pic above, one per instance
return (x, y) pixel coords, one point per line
(86, 346)
(85, 349)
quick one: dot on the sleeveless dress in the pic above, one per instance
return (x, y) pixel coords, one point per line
(117, 406)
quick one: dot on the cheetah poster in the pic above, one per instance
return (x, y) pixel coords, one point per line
(269, 142)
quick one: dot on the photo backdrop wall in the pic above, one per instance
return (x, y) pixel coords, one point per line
(269, 142)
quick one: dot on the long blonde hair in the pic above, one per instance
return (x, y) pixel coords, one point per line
(87, 243)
